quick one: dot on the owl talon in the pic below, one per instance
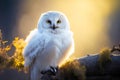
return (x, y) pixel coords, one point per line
(51, 71)
(54, 70)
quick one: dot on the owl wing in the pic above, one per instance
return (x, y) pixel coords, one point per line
(35, 45)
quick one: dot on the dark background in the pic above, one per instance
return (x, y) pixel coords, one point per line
(9, 15)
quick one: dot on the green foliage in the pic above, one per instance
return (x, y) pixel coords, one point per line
(4, 58)
(18, 58)
(16, 61)
(71, 70)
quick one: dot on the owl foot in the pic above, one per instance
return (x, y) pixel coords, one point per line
(51, 71)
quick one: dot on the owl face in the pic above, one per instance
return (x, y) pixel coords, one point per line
(53, 21)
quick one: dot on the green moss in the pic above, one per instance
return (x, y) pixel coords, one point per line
(104, 58)
(71, 70)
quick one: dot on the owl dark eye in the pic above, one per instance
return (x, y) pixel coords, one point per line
(48, 21)
(59, 21)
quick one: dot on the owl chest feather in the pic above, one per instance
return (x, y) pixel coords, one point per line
(54, 50)
(54, 46)
(54, 41)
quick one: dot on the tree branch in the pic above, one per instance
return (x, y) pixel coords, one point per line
(94, 69)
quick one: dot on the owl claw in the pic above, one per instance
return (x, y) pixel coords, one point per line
(54, 70)
(51, 71)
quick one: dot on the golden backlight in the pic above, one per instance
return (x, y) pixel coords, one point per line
(88, 20)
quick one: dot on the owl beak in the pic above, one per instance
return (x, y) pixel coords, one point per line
(54, 27)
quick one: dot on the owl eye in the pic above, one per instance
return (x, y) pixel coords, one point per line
(59, 21)
(48, 21)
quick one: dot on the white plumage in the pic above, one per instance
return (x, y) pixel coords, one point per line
(49, 44)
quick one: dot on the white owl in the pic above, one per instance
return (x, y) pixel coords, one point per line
(49, 44)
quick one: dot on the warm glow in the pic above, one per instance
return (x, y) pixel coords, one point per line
(88, 20)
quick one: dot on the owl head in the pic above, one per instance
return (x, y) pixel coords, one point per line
(53, 21)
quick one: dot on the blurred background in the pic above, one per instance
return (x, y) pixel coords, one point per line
(95, 23)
